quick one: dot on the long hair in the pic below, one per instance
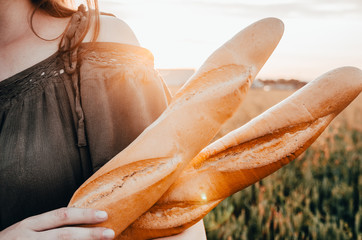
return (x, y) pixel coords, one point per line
(66, 8)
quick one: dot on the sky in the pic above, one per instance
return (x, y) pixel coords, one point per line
(320, 35)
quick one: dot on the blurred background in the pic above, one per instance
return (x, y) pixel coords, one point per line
(319, 34)
(317, 196)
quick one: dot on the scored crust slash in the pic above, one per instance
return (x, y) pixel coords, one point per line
(135, 179)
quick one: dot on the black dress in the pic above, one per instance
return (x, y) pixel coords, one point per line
(57, 127)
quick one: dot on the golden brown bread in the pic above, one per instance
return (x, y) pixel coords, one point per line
(136, 178)
(249, 154)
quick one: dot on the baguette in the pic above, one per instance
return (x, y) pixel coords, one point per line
(249, 154)
(130, 183)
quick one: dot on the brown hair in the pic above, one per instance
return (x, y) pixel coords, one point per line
(66, 8)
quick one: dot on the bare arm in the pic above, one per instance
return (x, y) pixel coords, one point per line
(114, 30)
(197, 231)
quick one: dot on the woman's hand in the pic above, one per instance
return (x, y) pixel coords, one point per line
(57, 225)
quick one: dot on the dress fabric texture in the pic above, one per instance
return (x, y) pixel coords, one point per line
(55, 131)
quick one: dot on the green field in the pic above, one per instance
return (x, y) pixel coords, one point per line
(317, 196)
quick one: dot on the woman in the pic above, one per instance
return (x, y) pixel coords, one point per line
(67, 105)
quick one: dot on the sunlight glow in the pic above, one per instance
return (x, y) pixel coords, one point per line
(318, 37)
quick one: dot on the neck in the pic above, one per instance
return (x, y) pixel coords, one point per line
(14, 20)
(15, 24)
(20, 48)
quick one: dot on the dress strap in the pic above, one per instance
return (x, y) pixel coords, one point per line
(76, 31)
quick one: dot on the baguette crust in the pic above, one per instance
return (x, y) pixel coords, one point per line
(249, 154)
(136, 178)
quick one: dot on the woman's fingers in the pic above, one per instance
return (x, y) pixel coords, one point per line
(65, 216)
(56, 225)
(77, 233)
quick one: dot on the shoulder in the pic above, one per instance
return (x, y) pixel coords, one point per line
(113, 29)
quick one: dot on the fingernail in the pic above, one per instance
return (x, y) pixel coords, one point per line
(101, 215)
(108, 234)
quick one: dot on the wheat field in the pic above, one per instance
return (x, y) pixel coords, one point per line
(316, 196)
